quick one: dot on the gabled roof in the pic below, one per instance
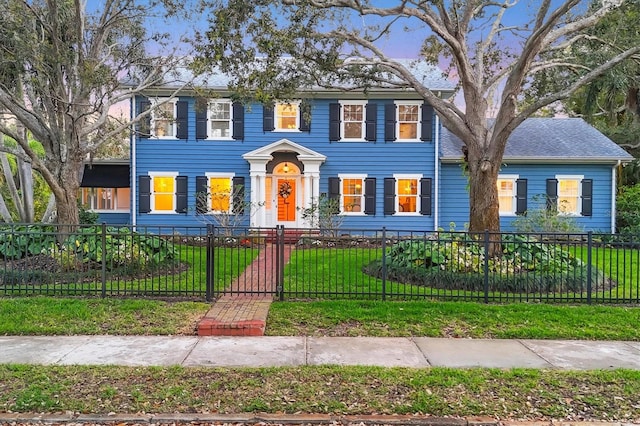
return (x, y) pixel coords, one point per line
(560, 140)
(429, 75)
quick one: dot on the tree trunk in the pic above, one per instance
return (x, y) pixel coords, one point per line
(484, 208)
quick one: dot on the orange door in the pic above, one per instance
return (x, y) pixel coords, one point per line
(286, 200)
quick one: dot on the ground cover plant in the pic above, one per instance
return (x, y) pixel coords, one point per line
(339, 390)
(458, 262)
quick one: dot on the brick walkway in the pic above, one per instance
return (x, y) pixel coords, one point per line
(243, 311)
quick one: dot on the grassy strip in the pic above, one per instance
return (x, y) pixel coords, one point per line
(57, 316)
(453, 319)
(521, 394)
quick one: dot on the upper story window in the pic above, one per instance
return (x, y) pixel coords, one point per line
(408, 120)
(220, 119)
(352, 120)
(163, 119)
(570, 195)
(106, 199)
(287, 116)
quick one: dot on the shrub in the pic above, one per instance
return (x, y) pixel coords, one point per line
(456, 264)
(628, 211)
(546, 221)
(17, 242)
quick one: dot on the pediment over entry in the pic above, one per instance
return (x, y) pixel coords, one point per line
(284, 145)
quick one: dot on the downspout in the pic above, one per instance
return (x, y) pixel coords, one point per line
(614, 187)
(133, 161)
(436, 177)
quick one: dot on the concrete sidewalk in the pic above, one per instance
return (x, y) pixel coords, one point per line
(417, 352)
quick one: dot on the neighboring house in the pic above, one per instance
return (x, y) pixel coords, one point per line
(381, 153)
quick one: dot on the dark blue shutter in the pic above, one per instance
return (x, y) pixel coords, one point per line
(587, 197)
(238, 121)
(182, 120)
(334, 188)
(202, 195)
(201, 118)
(425, 196)
(268, 124)
(371, 122)
(305, 116)
(389, 196)
(143, 126)
(552, 194)
(426, 133)
(237, 184)
(144, 197)
(390, 122)
(521, 196)
(181, 194)
(370, 196)
(334, 122)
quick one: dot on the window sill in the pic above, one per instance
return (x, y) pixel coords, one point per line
(287, 130)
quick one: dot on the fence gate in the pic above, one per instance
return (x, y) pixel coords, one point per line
(247, 262)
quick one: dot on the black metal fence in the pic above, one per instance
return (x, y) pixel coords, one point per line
(206, 262)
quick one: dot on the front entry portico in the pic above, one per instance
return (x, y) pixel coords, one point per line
(285, 180)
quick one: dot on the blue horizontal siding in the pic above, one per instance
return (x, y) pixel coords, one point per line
(119, 218)
(378, 159)
(454, 205)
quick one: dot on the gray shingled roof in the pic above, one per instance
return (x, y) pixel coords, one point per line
(548, 139)
(431, 76)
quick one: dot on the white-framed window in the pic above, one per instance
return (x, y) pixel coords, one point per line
(287, 116)
(220, 118)
(163, 118)
(408, 120)
(106, 199)
(507, 194)
(407, 194)
(220, 192)
(352, 120)
(569, 194)
(163, 192)
(352, 194)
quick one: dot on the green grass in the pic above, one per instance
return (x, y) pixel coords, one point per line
(454, 319)
(507, 394)
(63, 316)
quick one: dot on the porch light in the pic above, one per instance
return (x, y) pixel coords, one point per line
(285, 169)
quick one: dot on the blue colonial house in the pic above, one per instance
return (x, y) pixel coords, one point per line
(382, 154)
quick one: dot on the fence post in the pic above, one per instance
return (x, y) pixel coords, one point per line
(589, 257)
(280, 261)
(104, 260)
(486, 266)
(384, 263)
(209, 261)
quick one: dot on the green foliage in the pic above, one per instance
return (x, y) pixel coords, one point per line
(324, 215)
(628, 211)
(17, 242)
(87, 217)
(546, 221)
(525, 265)
(123, 248)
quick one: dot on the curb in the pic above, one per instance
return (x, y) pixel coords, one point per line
(279, 419)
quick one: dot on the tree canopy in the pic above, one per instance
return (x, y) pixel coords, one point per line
(63, 68)
(494, 50)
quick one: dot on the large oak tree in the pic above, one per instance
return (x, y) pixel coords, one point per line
(493, 48)
(63, 67)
